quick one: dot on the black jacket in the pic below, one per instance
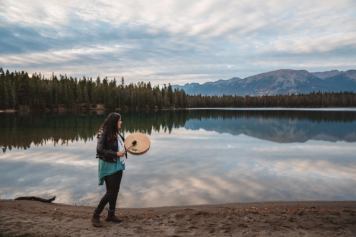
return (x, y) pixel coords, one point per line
(105, 149)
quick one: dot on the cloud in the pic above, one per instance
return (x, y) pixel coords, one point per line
(317, 44)
(60, 56)
(203, 18)
(176, 41)
(52, 13)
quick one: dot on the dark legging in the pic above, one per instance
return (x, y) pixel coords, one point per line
(112, 183)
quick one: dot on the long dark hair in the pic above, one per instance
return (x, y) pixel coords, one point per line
(109, 126)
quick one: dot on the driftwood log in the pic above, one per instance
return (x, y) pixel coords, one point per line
(33, 198)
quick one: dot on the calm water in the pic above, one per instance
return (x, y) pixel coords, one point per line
(196, 157)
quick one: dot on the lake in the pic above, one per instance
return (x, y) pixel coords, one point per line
(197, 156)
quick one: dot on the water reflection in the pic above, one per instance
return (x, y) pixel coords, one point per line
(197, 157)
(203, 167)
(277, 126)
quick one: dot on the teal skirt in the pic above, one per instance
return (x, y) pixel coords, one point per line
(108, 168)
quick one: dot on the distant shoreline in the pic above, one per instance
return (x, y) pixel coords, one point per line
(351, 109)
(282, 108)
(311, 218)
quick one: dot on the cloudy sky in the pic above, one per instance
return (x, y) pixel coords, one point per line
(176, 41)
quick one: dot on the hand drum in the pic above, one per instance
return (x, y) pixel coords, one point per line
(137, 143)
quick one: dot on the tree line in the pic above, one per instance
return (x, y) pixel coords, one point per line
(19, 89)
(312, 100)
(38, 93)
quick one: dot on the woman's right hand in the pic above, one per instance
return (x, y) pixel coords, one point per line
(120, 153)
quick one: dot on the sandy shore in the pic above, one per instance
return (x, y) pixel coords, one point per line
(31, 218)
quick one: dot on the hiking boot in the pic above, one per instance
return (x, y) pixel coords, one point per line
(112, 218)
(95, 220)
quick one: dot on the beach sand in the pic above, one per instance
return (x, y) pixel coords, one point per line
(32, 218)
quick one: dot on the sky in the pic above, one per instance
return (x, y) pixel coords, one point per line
(176, 41)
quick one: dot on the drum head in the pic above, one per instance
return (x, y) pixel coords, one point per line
(137, 143)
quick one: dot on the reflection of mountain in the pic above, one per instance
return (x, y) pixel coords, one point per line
(279, 126)
(282, 130)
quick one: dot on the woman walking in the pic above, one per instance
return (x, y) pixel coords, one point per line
(111, 152)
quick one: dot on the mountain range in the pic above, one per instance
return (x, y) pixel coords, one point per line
(279, 82)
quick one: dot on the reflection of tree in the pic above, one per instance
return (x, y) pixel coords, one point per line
(24, 131)
(154, 121)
